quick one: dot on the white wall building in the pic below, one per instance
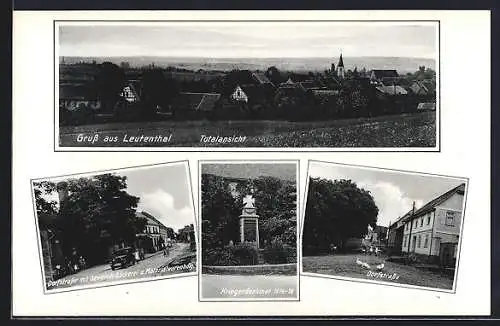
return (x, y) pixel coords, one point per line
(429, 228)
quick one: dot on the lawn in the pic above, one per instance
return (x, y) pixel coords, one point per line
(345, 265)
(405, 130)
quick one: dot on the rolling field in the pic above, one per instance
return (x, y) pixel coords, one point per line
(404, 130)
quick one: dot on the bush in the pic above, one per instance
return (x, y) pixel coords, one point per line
(279, 253)
(245, 254)
(219, 257)
(237, 255)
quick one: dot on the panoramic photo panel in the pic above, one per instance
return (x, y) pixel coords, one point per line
(248, 228)
(383, 226)
(114, 227)
(369, 85)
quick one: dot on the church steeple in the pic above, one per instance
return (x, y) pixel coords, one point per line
(341, 62)
(340, 67)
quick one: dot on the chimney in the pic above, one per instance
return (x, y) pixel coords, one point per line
(62, 190)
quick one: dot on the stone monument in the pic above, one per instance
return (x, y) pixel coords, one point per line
(249, 222)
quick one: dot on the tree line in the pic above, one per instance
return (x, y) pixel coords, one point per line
(336, 211)
(158, 91)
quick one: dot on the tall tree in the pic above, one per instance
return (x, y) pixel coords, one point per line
(109, 84)
(44, 205)
(219, 211)
(157, 90)
(335, 211)
(97, 213)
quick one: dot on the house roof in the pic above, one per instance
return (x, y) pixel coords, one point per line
(75, 92)
(261, 78)
(310, 84)
(426, 106)
(208, 101)
(435, 202)
(325, 92)
(392, 90)
(255, 93)
(380, 73)
(197, 101)
(151, 218)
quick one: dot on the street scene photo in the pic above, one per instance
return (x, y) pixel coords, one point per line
(249, 231)
(115, 227)
(305, 84)
(383, 226)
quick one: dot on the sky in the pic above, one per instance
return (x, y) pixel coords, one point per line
(285, 171)
(393, 192)
(163, 190)
(250, 39)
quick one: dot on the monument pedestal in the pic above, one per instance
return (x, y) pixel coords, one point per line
(249, 226)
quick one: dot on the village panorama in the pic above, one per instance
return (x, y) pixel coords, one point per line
(347, 102)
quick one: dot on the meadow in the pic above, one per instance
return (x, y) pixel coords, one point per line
(403, 130)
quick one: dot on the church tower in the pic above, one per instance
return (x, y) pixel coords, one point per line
(340, 68)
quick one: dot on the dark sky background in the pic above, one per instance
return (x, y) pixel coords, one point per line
(393, 192)
(250, 39)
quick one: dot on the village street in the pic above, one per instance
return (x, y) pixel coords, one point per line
(345, 265)
(249, 286)
(153, 265)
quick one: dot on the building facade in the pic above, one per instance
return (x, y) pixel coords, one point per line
(434, 229)
(155, 235)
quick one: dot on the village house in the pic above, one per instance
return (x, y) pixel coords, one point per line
(423, 87)
(432, 232)
(73, 97)
(377, 235)
(390, 90)
(155, 233)
(383, 76)
(190, 104)
(239, 95)
(426, 106)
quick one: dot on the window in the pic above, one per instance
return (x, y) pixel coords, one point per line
(419, 240)
(421, 222)
(426, 241)
(429, 219)
(405, 240)
(450, 218)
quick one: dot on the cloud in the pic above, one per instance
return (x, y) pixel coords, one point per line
(160, 204)
(391, 201)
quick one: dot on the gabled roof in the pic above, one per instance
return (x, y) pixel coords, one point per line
(151, 218)
(435, 202)
(261, 78)
(392, 90)
(196, 101)
(381, 73)
(310, 84)
(426, 106)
